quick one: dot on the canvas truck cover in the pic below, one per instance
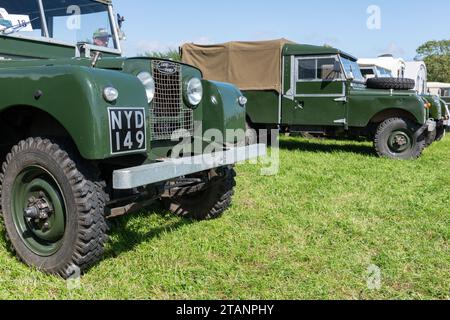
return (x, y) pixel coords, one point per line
(248, 65)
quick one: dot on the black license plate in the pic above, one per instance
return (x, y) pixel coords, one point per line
(128, 130)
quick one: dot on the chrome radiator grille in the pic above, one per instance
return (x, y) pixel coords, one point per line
(170, 119)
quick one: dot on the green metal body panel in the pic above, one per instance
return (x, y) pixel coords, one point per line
(364, 104)
(262, 106)
(328, 103)
(73, 93)
(215, 116)
(437, 108)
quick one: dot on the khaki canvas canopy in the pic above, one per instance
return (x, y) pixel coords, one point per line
(248, 65)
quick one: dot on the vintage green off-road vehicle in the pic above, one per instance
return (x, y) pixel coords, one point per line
(87, 134)
(305, 88)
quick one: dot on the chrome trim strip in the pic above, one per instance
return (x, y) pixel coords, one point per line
(130, 178)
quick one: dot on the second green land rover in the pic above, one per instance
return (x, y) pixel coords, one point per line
(305, 88)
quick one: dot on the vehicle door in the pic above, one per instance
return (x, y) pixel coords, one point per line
(320, 91)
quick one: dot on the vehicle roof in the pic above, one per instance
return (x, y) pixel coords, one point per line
(440, 85)
(368, 63)
(306, 49)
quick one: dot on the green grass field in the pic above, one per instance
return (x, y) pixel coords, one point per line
(311, 232)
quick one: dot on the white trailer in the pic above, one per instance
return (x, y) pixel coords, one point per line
(396, 66)
(417, 70)
(439, 88)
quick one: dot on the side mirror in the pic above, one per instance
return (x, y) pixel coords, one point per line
(120, 21)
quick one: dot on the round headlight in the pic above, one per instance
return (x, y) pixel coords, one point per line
(110, 94)
(148, 83)
(194, 91)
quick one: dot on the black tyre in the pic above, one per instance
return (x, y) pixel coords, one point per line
(251, 134)
(396, 138)
(254, 136)
(208, 203)
(391, 83)
(431, 138)
(440, 133)
(52, 208)
(309, 135)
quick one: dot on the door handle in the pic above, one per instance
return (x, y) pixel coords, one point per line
(299, 105)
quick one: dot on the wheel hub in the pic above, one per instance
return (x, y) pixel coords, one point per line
(399, 142)
(39, 210)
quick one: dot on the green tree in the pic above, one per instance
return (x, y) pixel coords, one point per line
(170, 54)
(436, 55)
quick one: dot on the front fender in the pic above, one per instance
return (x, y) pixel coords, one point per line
(436, 110)
(367, 104)
(73, 95)
(221, 109)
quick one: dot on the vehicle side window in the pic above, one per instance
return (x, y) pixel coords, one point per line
(317, 69)
(307, 69)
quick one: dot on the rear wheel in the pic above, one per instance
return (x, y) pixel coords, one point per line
(209, 202)
(396, 138)
(52, 208)
(440, 133)
(251, 134)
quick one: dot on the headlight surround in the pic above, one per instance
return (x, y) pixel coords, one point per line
(149, 84)
(194, 92)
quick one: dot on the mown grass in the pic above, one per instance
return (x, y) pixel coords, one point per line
(310, 232)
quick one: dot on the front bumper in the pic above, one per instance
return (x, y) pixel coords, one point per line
(130, 178)
(429, 127)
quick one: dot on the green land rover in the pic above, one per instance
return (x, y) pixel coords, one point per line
(305, 88)
(87, 134)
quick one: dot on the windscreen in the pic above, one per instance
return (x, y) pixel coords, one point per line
(352, 69)
(69, 21)
(79, 21)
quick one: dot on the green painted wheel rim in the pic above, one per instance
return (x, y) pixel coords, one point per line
(42, 236)
(400, 141)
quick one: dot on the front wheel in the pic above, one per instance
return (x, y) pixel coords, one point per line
(210, 201)
(396, 138)
(52, 208)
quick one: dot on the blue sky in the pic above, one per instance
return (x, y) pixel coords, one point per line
(158, 25)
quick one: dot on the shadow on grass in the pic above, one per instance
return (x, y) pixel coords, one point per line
(125, 239)
(317, 145)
